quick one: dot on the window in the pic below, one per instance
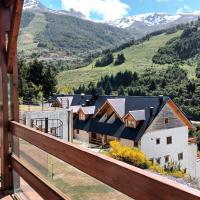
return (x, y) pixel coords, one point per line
(77, 131)
(180, 156)
(135, 144)
(81, 116)
(169, 140)
(158, 160)
(166, 120)
(158, 141)
(130, 123)
(167, 159)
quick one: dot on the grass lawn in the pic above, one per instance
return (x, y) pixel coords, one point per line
(71, 181)
(138, 58)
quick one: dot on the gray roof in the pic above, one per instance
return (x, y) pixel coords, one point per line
(118, 105)
(122, 106)
(139, 106)
(89, 110)
(138, 115)
(75, 109)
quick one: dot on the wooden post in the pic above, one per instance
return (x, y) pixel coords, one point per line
(5, 175)
(10, 16)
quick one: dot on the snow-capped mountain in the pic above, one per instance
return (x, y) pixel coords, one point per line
(36, 4)
(143, 24)
(150, 19)
(33, 4)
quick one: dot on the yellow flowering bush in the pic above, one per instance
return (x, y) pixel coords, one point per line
(137, 158)
(129, 155)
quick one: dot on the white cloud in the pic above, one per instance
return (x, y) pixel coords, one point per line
(108, 9)
(187, 9)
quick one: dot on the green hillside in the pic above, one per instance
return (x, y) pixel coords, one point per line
(138, 58)
(68, 42)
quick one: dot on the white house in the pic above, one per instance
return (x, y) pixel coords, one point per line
(153, 124)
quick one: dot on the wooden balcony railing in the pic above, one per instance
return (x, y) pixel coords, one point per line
(132, 181)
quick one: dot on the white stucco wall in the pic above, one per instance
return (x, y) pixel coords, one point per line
(83, 136)
(179, 145)
(126, 142)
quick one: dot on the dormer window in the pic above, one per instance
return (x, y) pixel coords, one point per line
(85, 112)
(81, 116)
(133, 118)
(130, 123)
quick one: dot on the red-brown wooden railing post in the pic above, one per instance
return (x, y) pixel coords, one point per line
(10, 16)
(5, 173)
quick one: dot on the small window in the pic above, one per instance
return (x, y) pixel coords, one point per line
(135, 144)
(130, 123)
(77, 131)
(158, 141)
(166, 120)
(169, 140)
(158, 160)
(167, 159)
(180, 156)
(81, 116)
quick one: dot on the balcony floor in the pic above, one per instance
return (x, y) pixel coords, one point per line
(5, 197)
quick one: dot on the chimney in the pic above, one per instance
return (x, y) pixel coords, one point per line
(87, 102)
(161, 98)
(67, 106)
(82, 95)
(95, 94)
(151, 111)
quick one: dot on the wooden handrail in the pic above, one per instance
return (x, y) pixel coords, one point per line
(132, 181)
(34, 179)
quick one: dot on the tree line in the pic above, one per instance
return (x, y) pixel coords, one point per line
(37, 80)
(172, 82)
(108, 59)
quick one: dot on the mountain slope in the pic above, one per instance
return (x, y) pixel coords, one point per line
(179, 49)
(138, 58)
(146, 23)
(64, 39)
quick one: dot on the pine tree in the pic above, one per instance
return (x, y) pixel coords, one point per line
(108, 88)
(121, 91)
(120, 59)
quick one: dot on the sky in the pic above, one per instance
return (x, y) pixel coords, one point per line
(107, 10)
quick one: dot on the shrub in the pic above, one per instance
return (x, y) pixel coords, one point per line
(137, 158)
(129, 155)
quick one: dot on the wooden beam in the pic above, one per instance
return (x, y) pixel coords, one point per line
(132, 181)
(5, 172)
(34, 179)
(13, 34)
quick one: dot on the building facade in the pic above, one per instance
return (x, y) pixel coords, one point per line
(155, 125)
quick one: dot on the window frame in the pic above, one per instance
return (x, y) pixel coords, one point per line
(169, 140)
(157, 141)
(166, 120)
(167, 158)
(180, 156)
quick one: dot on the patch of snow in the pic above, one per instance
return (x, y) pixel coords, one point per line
(150, 19)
